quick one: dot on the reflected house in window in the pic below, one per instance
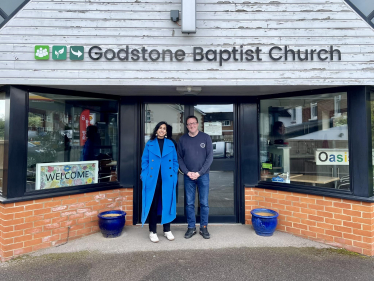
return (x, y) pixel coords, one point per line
(170, 113)
(173, 114)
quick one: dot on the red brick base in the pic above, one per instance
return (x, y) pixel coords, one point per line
(341, 223)
(32, 225)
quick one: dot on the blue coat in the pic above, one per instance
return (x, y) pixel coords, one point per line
(151, 163)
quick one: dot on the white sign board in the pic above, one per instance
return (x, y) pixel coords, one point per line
(213, 128)
(62, 174)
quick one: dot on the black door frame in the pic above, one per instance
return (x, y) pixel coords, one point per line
(188, 102)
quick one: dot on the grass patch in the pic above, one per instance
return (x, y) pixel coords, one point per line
(345, 252)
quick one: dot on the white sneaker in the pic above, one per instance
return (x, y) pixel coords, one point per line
(169, 235)
(153, 237)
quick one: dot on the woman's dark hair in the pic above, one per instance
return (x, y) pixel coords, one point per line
(153, 136)
(192, 116)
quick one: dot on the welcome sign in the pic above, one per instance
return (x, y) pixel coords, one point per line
(62, 174)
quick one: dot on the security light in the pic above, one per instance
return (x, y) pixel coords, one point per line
(174, 15)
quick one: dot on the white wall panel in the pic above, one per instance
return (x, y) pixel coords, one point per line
(299, 24)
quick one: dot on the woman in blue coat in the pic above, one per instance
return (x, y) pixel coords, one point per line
(159, 177)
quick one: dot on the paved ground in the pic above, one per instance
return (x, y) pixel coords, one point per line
(233, 253)
(135, 239)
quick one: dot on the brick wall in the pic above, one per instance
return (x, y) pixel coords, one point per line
(32, 225)
(338, 222)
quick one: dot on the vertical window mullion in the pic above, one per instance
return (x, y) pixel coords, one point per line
(360, 142)
(16, 143)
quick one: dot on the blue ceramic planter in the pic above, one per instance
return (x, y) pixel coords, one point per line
(262, 224)
(112, 227)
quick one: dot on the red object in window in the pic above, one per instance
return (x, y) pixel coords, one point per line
(84, 122)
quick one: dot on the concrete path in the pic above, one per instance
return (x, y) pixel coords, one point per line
(135, 239)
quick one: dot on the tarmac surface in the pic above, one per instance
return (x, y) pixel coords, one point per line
(234, 252)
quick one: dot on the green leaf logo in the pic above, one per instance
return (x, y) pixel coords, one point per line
(59, 52)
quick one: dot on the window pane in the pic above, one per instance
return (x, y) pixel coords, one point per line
(222, 171)
(63, 131)
(9, 6)
(304, 140)
(365, 6)
(2, 129)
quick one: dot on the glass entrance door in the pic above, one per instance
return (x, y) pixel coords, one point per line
(218, 122)
(173, 114)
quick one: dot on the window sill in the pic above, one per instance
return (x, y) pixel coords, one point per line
(49, 193)
(313, 190)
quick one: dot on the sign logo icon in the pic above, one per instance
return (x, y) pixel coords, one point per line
(41, 52)
(59, 52)
(76, 53)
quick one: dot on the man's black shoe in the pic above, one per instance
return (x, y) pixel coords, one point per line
(190, 232)
(204, 232)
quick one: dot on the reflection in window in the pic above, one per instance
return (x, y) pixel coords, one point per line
(313, 111)
(170, 113)
(2, 130)
(226, 123)
(304, 140)
(69, 130)
(217, 121)
(7, 7)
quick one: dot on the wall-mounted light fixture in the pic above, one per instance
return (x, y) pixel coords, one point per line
(189, 90)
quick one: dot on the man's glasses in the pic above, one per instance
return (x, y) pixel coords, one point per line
(190, 124)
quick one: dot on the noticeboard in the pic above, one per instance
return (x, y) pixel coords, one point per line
(213, 128)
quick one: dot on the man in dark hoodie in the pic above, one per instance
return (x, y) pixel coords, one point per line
(195, 155)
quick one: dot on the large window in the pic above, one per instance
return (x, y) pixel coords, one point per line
(71, 141)
(304, 140)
